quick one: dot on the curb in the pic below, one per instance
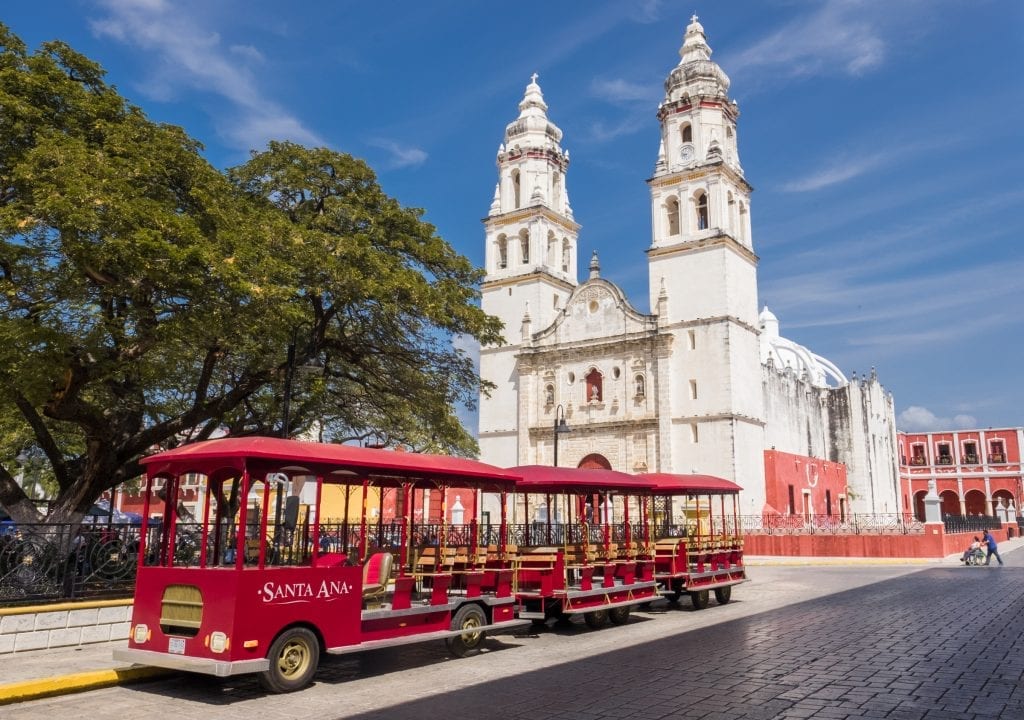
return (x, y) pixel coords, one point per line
(77, 682)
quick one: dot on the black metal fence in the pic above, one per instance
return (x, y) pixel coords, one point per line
(45, 563)
(970, 523)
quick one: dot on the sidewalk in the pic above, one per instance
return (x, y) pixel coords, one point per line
(40, 673)
(57, 671)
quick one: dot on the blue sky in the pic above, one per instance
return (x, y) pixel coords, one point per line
(883, 140)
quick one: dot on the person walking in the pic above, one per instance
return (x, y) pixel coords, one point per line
(993, 548)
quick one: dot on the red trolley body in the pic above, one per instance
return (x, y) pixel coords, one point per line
(589, 551)
(698, 548)
(244, 588)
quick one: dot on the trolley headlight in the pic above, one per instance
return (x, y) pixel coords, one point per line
(218, 642)
(142, 633)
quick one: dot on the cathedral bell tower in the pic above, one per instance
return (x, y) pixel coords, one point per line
(703, 278)
(530, 259)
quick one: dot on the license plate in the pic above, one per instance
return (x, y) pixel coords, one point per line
(176, 646)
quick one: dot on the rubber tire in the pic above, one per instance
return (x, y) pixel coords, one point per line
(675, 594)
(699, 599)
(619, 615)
(294, 657)
(466, 618)
(723, 594)
(596, 619)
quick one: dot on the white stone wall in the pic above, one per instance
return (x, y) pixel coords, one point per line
(853, 424)
(63, 626)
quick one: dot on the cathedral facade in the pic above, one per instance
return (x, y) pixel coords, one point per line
(704, 382)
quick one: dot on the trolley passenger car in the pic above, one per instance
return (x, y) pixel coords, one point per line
(698, 548)
(585, 546)
(250, 586)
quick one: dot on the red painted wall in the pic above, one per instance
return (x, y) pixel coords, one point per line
(824, 480)
(933, 543)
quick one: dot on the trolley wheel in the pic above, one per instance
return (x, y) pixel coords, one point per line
(469, 619)
(676, 593)
(699, 599)
(596, 618)
(619, 615)
(293, 660)
(723, 594)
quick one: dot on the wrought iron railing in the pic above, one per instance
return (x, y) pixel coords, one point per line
(51, 562)
(969, 523)
(849, 524)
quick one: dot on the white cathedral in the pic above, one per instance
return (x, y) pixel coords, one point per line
(702, 384)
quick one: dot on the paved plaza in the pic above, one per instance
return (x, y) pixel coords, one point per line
(941, 641)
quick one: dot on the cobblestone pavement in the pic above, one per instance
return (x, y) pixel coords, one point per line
(808, 642)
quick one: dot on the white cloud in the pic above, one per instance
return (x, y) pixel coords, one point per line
(401, 155)
(919, 419)
(601, 132)
(647, 11)
(838, 172)
(189, 55)
(622, 91)
(842, 36)
(247, 52)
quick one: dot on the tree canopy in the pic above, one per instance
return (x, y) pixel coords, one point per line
(149, 299)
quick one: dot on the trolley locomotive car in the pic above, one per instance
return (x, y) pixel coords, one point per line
(259, 584)
(585, 546)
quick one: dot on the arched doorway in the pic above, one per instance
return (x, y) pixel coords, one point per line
(950, 503)
(596, 507)
(595, 461)
(974, 502)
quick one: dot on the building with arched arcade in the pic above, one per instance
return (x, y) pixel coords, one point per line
(976, 472)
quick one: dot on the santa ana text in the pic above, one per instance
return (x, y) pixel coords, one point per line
(273, 592)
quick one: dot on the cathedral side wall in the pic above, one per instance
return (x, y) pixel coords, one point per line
(853, 424)
(796, 422)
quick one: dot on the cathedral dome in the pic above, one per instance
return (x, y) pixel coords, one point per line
(783, 353)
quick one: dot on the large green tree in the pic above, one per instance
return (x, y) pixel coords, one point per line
(147, 299)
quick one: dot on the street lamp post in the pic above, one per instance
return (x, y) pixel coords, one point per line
(560, 428)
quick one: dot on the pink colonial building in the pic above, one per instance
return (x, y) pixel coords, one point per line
(976, 472)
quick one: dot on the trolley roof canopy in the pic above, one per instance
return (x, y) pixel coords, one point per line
(335, 463)
(672, 484)
(546, 479)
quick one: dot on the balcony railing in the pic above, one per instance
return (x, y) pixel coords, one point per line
(918, 461)
(997, 457)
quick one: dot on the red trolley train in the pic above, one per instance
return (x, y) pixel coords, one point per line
(262, 583)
